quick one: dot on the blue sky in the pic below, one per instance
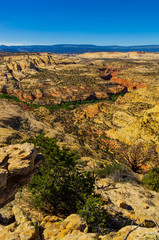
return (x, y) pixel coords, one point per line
(100, 22)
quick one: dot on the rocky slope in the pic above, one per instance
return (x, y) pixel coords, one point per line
(126, 202)
(16, 123)
(142, 110)
(88, 128)
(50, 79)
(20, 220)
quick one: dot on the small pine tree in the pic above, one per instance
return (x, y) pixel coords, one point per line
(59, 187)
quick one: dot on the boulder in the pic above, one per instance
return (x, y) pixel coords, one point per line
(56, 228)
(22, 229)
(20, 158)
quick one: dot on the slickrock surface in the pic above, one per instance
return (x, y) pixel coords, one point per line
(16, 165)
(137, 117)
(140, 233)
(130, 200)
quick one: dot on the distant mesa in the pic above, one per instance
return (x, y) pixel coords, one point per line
(78, 48)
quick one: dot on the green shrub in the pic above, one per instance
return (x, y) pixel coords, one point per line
(59, 187)
(118, 172)
(10, 97)
(94, 214)
(151, 179)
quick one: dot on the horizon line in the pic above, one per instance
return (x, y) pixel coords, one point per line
(75, 44)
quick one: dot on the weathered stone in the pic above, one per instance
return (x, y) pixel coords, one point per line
(55, 228)
(80, 236)
(21, 158)
(23, 151)
(19, 165)
(50, 220)
(20, 216)
(27, 230)
(74, 221)
(129, 200)
(138, 234)
(22, 229)
(7, 232)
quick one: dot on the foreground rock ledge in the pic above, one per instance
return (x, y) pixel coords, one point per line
(71, 228)
(16, 167)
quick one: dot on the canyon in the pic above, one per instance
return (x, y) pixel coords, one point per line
(89, 103)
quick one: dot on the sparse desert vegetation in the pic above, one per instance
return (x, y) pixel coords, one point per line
(98, 119)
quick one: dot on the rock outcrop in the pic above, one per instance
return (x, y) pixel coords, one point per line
(131, 201)
(56, 228)
(121, 55)
(139, 233)
(73, 227)
(17, 163)
(51, 228)
(22, 229)
(137, 117)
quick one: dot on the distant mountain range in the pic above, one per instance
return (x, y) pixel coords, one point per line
(74, 48)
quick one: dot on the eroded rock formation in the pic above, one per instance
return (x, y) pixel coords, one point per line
(16, 166)
(54, 79)
(90, 128)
